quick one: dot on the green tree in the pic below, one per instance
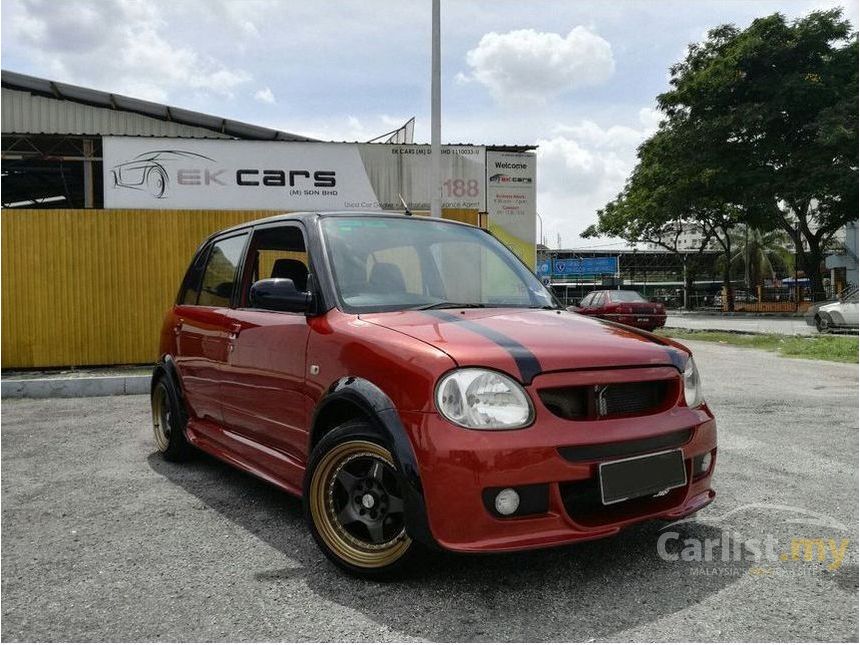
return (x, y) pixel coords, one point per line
(759, 256)
(678, 182)
(778, 102)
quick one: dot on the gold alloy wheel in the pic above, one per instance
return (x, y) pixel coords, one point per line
(161, 417)
(356, 505)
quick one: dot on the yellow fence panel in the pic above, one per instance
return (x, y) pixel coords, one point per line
(90, 287)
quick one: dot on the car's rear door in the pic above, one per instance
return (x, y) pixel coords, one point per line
(263, 390)
(203, 326)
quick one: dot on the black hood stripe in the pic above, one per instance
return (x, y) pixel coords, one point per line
(527, 363)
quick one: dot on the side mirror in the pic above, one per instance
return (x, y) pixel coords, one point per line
(279, 294)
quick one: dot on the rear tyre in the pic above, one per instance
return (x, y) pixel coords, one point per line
(169, 420)
(354, 504)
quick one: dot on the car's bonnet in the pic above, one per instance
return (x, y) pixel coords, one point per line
(525, 342)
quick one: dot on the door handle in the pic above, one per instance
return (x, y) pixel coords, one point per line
(235, 330)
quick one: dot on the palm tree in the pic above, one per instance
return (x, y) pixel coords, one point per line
(760, 255)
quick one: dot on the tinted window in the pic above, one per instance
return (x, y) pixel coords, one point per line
(221, 269)
(276, 252)
(191, 284)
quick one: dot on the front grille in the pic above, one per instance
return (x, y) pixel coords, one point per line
(591, 402)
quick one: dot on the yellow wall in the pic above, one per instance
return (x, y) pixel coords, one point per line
(90, 287)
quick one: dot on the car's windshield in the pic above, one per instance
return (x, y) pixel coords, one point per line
(392, 263)
(626, 296)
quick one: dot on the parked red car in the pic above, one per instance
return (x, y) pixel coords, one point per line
(416, 384)
(625, 307)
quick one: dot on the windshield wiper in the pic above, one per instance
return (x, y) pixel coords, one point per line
(451, 305)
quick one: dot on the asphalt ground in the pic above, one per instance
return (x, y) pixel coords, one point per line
(103, 540)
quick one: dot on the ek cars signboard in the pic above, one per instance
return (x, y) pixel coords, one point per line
(220, 174)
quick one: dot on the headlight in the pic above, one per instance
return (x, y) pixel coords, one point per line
(692, 384)
(483, 400)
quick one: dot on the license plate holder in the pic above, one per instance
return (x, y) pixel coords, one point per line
(641, 476)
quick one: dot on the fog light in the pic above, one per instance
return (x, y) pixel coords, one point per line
(507, 502)
(705, 465)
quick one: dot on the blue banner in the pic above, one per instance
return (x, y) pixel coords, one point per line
(579, 266)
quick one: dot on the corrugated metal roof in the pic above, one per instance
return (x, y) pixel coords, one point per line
(25, 113)
(34, 105)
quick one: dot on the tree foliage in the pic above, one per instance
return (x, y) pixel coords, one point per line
(760, 129)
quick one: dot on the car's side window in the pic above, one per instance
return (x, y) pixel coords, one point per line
(219, 277)
(276, 252)
(191, 284)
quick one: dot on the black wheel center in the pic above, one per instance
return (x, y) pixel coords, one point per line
(369, 499)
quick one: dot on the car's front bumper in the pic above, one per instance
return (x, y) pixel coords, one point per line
(457, 466)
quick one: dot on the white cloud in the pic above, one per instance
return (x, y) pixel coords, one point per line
(582, 167)
(533, 65)
(119, 46)
(265, 95)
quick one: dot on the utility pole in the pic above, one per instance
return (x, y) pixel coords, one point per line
(540, 235)
(436, 117)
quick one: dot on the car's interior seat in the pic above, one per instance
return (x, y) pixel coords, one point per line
(386, 277)
(295, 270)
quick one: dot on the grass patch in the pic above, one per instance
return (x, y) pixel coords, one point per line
(842, 349)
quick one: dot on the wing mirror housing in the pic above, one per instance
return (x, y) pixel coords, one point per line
(280, 294)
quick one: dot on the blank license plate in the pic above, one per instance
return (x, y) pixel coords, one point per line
(640, 476)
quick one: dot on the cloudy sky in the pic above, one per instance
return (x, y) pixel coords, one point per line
(576, 78)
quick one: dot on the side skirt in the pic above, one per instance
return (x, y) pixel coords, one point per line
(264, 462)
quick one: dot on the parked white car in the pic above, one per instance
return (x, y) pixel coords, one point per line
(838, 315)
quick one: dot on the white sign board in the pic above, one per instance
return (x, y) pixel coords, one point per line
(396, 170)
(511, 204)
(280, 175)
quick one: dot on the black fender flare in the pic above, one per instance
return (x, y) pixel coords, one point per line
(382, 411)
(167, 367)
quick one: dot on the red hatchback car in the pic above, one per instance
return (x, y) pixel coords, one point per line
(417, 385)
(625, 307)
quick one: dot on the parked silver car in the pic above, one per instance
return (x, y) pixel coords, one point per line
(831, 316)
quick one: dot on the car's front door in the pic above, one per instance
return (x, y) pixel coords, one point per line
(203, 327)
(263, 391)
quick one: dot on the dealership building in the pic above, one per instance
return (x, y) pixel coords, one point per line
(105, 198)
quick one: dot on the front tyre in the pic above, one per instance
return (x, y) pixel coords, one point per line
(822, 323)
(168, 421)
(354, 503)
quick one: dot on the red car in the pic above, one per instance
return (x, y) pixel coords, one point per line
(418, 386)
(625, 307)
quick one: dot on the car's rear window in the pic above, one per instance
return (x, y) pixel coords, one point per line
(626, 296)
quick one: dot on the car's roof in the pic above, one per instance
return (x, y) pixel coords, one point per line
(311, 216)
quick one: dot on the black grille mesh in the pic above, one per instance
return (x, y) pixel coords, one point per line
(586, 402)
